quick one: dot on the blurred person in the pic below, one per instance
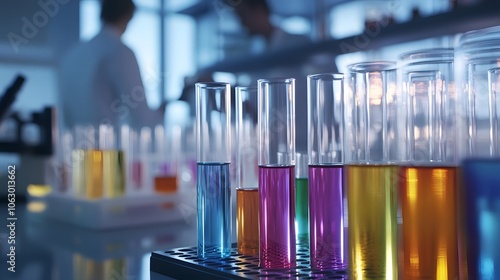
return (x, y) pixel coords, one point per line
(255, 18)
(100, 81)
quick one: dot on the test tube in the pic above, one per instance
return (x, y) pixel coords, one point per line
(302, 199)
(85, 182)
(247, 192)
(63, 171)
(98, 166)
(276, 122)
(164, 159)
(371, 171)
(328, 250)
(143, 165)
(113, 162)
(213, 137)
(130, 146)
(478, 77)
(428, 172)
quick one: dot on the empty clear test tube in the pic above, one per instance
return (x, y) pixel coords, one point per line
(247, 192)
(428, 171)
(371, 170)
(328, 238)
(213, 122)
(478, 79)
(276, 122)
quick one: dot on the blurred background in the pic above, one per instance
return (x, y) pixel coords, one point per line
(176, 44)
(177, 39)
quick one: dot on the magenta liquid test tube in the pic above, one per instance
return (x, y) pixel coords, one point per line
(276, 122)
(328, 246)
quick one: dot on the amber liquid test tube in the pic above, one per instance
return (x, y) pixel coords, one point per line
(247, 192)
(428, 172)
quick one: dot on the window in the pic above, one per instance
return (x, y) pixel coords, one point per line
(161, 40)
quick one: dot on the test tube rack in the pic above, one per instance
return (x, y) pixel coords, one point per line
(183, 263)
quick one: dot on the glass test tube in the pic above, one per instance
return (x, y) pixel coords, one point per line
(302, 199)
(247, 192)
(98, 167)
(143, 170)
(213, 137)
(328, 248)
(81, 172)
(113, 162)
(479, 82)
(371, 171)
(163, 160)
(276, 122)
(63, 172)
(129, 138)
(428, 172)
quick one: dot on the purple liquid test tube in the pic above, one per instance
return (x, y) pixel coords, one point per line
(328, 246)
(276, 122)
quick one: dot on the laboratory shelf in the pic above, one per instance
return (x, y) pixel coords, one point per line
(459, 20)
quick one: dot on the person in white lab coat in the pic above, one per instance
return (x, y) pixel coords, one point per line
(100, 81)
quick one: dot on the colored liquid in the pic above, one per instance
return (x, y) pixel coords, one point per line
(113, 173)
(247, 221)
(88, 269)
(328, 248)
(165, 184)
(136, 174)
(302, 210)
(372, 229)
(214, 210)
(276, 216)
(482, 210)
(429, 231)
(78, 172)
(97, 173)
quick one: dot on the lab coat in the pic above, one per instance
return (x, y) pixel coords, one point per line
(100, 82)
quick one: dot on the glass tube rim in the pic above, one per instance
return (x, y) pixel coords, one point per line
(326, 76)
(486, 37)
(212, 85)
(437, 55)
(245, 88)
(372, 66)
(275, 80)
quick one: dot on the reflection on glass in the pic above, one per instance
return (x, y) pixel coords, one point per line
(89, 269)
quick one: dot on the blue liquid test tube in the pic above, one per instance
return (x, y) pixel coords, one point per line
(213, 124)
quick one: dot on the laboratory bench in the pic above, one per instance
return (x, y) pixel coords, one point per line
(50, 250)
